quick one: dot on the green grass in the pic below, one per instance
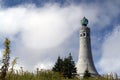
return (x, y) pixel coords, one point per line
(41, 75)
(45, 75)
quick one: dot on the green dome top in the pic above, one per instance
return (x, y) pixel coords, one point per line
(84, 21)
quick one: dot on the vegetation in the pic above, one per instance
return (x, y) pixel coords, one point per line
(65, 67)
(58, 67)
(86, 74)
(41, 75)
(45, 75)
(5, 60)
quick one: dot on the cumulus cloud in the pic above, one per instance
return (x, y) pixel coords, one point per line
(38, 32)
(109, 61)
(46, 24)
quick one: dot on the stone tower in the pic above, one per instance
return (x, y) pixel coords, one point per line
(85, 60)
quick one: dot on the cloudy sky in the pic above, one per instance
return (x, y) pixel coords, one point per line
(42, 30)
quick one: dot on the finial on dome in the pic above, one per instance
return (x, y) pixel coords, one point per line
(84, 21)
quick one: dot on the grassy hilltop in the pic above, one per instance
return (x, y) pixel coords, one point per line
(45, 75)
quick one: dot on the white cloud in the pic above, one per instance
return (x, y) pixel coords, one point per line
(1, 52)
(44, 65)
(35, 31)
(42, 27)
(109, 61)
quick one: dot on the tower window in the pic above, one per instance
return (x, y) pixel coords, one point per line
(83, 34)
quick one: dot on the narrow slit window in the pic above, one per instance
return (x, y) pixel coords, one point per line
(83, 34)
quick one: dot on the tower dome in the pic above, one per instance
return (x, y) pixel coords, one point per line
(84, 21)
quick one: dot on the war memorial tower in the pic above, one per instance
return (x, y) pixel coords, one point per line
(85, 60)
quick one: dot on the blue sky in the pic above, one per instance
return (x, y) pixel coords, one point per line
(9, 3)
(42, 30)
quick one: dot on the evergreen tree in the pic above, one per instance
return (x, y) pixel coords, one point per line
(58, 65)
(66, 67)
(86, 74)
(69, 69)
(5, 60)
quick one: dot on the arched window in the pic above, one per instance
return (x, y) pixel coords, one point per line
(84, 34)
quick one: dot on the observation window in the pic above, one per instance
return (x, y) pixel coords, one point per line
(83, 34)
